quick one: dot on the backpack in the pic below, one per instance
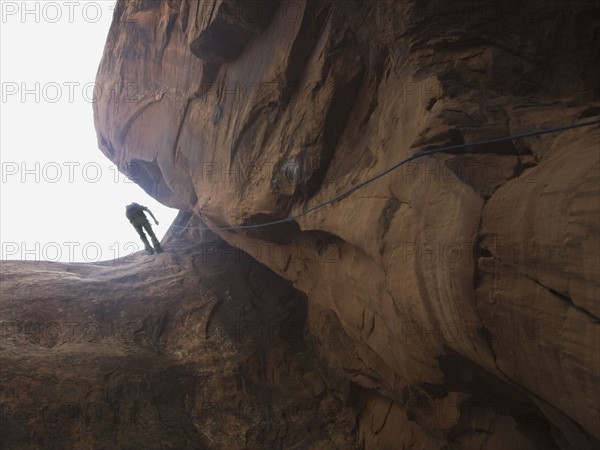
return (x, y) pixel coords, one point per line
(134, 211)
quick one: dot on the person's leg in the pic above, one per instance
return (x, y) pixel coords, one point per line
(150, 232)
(144, 239)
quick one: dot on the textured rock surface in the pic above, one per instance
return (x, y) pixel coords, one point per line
(199, 347)
(459, 294)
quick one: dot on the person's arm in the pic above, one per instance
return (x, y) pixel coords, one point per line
(150, 212)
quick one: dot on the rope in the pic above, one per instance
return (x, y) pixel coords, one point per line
(447, 149)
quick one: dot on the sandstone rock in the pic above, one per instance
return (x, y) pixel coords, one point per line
(458, 295)
(198, 347)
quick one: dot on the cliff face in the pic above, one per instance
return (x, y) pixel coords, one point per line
(199, 347)
(458, 295)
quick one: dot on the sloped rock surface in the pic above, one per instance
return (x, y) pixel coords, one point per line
(198, 347)
(458, 294)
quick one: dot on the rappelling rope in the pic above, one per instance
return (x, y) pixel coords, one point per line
(450, 148)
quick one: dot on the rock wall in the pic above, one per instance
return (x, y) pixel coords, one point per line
(458, 295)
(198, 347)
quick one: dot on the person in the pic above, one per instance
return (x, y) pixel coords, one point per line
(136, 216)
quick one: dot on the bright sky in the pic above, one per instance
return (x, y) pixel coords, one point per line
(61, 199)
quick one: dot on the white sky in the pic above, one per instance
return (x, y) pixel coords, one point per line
(60, 197)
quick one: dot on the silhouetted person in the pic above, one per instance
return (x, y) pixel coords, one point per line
(135, 214)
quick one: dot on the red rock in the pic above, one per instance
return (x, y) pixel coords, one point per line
(458, 295)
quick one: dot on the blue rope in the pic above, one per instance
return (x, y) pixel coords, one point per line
(451, 148)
